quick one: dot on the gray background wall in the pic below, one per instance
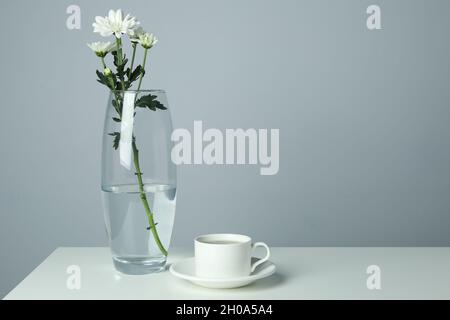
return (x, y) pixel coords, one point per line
(363, 118)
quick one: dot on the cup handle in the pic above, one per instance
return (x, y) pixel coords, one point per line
(257, 263)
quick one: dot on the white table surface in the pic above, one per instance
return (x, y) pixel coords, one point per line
(302, 273)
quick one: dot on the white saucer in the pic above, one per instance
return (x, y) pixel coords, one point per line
(185, 269)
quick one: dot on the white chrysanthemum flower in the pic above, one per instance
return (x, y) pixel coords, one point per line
(147, 40)
(102, 48)
(113, 24)
(137, 33)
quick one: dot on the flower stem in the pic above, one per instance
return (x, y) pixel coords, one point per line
(139, 176)
(142, 194)
(103, 62)
(143, 67)
(132, 59)
(144, 200)
(119, 57)
(119, 50)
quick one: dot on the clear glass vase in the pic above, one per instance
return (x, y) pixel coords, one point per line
(138, 180)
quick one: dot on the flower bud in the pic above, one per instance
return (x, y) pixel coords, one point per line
(147, 40)
(107, 72)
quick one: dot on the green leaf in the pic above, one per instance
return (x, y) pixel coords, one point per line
(116, 60)
(136, 74)
(117, 103)
(103, 79)
(109, 81)
(116, 140)
(120, 67)
(149, 101)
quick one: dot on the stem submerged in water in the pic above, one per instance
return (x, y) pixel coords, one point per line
(144, 200)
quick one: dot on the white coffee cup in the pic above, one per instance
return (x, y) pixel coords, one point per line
(225, 255)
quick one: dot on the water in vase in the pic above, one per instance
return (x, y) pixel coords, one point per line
(132, 242)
